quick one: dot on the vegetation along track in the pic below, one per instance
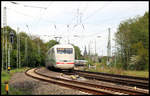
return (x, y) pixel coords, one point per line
(121, 79)
(86, 87)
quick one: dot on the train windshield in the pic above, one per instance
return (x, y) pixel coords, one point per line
(64, 50)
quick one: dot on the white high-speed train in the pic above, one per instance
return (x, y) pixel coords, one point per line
(61, 57)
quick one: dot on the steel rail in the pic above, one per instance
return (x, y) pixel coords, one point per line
(110, 78)
(81, 88)
(115, 75)
(113, 89)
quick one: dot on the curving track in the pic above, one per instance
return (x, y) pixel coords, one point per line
(83, 86)
(121, 79)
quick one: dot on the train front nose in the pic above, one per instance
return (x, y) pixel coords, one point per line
(65, 64)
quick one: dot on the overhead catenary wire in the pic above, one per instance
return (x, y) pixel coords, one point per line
(32, 6)
(78, 20)
(13, 2)
(27, 5)
(96, 11)
(29, 16)
(35, 7)
(110, 19)
(45, 11)
(26, 15)
(40, 16)
(23, 14)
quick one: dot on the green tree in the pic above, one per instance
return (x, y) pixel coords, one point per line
(33, 57)
(78, 55)
(51, 43)
(132, 39)
(7, 33)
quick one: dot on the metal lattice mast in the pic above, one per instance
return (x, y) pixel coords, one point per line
(18, 48)
(95, 47)
(39, 49)
(89, 53)
(85, 52)
(115, 53)
(26, 51)
(108, 47)
(9, 46)
(79, 22)
(19, 53)
(4, 37)
(39, 46)
(59, 37)
(3, 50)
(68, 33)
(6, 53)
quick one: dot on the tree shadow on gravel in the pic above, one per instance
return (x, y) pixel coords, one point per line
(26, 86)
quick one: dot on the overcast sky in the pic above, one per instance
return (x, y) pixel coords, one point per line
(52, 17)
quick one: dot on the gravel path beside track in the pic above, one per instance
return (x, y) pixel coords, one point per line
(36, 87)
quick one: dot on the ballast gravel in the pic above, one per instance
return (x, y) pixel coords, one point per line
(35, 87)
(82, 79)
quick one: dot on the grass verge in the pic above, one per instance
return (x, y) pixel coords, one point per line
(112, 70)
(5, 77)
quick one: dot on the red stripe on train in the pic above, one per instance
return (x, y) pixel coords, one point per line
(69, 63)
(64, 63)
(59, 62)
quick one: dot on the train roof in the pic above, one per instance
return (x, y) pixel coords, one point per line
(63, 45)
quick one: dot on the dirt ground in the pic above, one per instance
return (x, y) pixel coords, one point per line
(35, 87)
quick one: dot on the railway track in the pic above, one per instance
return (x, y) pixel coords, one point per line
(82, 86)
(120, 79)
